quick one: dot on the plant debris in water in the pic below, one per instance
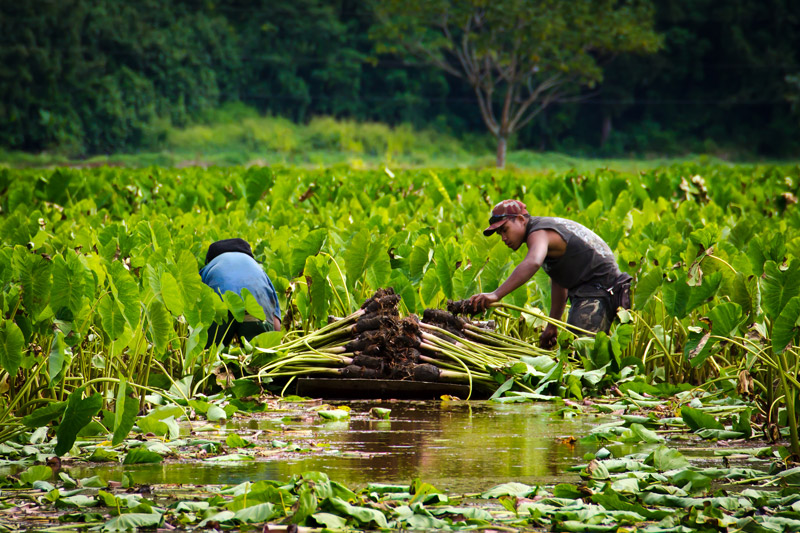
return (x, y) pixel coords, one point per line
(655, 492)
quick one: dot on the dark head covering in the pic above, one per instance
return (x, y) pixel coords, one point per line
(228, 245)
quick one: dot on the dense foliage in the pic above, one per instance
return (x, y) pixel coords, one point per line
(101, 291)
(105, 321)
(95, 77)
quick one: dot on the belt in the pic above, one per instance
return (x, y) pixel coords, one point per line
(251, 318)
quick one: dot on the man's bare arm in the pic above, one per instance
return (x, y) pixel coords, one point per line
(538, 242)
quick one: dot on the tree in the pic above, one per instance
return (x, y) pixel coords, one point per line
(519, 56)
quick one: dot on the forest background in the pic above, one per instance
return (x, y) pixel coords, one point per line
(80, 78)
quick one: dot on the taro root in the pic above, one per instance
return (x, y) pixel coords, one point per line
(383, 299)
(353, 371)
(372, 349)
(437, 316)
(461, 307)
(368, 361)
(403, 341)
(426, 372)
(373, 323)
(356, 345)
(413, 355)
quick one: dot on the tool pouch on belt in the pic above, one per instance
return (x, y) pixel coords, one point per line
(620, 292)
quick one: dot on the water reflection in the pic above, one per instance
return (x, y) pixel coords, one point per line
(460, 447)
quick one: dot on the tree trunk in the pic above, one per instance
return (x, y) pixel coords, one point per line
(501, 151)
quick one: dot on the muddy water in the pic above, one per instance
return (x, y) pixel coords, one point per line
(461, 447)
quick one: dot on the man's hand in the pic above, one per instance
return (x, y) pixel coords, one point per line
(549, 337)
(481, 301)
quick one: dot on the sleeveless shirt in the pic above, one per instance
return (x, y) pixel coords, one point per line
(588, 267)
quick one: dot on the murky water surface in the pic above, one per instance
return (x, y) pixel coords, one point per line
(460, 447)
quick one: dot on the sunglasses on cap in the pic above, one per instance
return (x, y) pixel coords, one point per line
(498, 218)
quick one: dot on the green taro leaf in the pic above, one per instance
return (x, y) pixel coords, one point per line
(676, 295)
(742, 423)
(334, 414)
(68, 283)
(743, 290)
(565, 490)
(256, 183)
(702, 294)
(216, 413)
(57, 357)
(126, 292)
(725, 319)
(357, 257)
(445, 260)
(44, 415)
(779, 286)
(160, 325)
(664, 459)
(36, 473)
(35, 276)
(133, 522)
(429, 288)
(639, 433)
(330, 521)
(12, 342)
(127, 407)
(786, 327)
(519, 490)
(78, 413)
(234, 440)
(306, 505)
(319, 291)
(646, 287)
(172, 294)
(111, 317)
(251, 305)
(699, 420)
(421, 256)
(698, 346)
(235, 305)
(141, 456)
(363, 515)
(309, 245)
(256, 514)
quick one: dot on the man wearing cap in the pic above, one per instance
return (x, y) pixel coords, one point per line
(580, 264)
(230, 266)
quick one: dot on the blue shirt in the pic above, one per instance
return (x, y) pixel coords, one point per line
(234, 271)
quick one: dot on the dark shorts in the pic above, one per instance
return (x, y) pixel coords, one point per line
(591, 313)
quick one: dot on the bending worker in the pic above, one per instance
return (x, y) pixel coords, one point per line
(230, 266)
(580, 264)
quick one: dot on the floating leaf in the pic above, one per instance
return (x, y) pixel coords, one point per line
(334, 414)
(699, 420)
(141, 456)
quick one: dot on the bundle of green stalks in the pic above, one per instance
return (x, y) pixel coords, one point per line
(375, 343)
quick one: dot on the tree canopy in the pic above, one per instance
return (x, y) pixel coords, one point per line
(518, 56)
(99, 76)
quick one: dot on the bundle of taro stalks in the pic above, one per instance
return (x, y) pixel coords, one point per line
(374, 342)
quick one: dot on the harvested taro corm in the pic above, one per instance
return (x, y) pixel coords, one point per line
(373, 323)
(353, 371)
(368, 361)
(426, 372)
(437, 316)
(385, 304)
(461, 307)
